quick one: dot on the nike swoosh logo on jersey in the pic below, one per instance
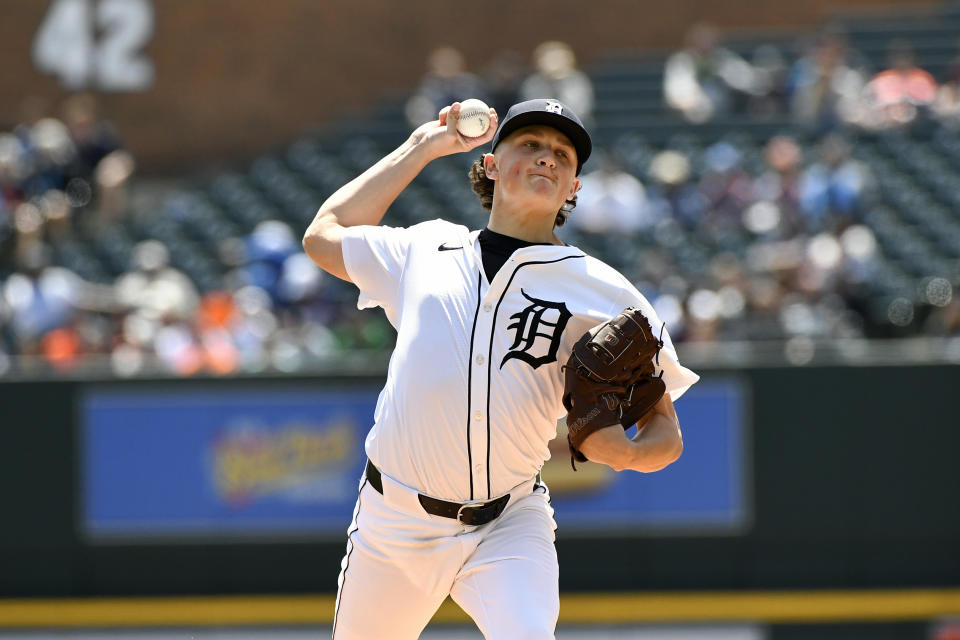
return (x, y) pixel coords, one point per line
(444, 247)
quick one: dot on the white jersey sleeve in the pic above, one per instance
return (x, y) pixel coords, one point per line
(374, 257)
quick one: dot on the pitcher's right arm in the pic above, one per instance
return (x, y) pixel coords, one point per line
(365, 199)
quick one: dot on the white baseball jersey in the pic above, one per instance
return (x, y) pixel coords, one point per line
(474, 386)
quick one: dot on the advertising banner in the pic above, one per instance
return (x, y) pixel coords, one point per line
(171, 463)
(212, 463)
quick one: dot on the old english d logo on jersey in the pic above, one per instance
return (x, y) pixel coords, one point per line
(540, 319)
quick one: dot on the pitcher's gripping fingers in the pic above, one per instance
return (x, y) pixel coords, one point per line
(448, 118)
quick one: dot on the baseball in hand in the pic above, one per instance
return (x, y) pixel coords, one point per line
(474, 118)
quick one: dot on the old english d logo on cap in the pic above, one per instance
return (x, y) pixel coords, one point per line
(553, 107)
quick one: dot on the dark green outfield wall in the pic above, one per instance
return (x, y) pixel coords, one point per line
(856, 483)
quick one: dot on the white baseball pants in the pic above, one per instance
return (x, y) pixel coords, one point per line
(401, 563)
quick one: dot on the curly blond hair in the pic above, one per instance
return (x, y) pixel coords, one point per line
(483, 187)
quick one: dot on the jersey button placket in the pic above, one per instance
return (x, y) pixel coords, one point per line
(478, 396)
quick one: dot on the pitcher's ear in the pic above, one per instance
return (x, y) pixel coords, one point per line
(490, 167)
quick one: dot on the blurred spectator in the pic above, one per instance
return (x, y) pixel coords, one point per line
(213, 321)
(946, 106)
(611, 200)
(952, 74)
(768, 95)
(268, 249)
(40, 298)
(556, 76)
(155, 289)
(14, 169)
(53, 153)
(28, 245)
(725, 185)
(503, 76)
(57, 213)
(446, 81)
(833, 188)
(100, 158)
(825, 84)
(899, 94)
(93, 138)
(177, 348)
(671, 192)
(764, 297)
(62, 348)
(33, 109)
(704, 79)
(776, 208)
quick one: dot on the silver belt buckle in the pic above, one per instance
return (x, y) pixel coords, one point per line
(468, 505)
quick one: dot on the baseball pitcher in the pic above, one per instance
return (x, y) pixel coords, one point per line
(500, 332)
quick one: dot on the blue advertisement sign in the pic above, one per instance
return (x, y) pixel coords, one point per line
(704, 492)
(168, 463)
(174, 463)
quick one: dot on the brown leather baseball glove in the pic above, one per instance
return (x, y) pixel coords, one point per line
(611, 377)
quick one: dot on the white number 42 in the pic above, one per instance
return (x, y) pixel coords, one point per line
(96, 44)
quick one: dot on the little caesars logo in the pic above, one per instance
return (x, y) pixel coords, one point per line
(251, 463)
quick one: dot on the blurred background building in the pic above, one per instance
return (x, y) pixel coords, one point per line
(782, 182)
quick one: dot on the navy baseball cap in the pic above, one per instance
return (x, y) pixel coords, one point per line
(550, 113)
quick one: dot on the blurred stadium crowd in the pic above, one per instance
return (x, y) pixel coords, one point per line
(840, 218)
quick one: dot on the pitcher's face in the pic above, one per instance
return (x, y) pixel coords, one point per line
(536, 164)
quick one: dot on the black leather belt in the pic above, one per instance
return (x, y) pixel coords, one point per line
(473, 515)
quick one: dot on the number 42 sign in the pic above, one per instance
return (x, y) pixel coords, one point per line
(96, 44)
